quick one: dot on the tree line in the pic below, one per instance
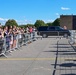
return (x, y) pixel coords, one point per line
(12, 22)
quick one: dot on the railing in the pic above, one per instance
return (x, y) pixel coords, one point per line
(73, 36)
(20, 41)
(24, 40)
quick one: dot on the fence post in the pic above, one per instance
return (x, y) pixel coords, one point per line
(4, 47)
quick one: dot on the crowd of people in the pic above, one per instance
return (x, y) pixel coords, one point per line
(10, 34)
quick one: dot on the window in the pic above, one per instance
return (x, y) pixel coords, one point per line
(59, 28)
(43, 28)
(51, 28)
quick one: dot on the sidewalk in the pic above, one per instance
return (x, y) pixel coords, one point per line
(65, 63)
(47, 56)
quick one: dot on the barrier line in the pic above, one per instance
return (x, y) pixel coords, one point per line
(37, 58)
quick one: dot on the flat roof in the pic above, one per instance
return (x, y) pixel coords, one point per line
(67, 15)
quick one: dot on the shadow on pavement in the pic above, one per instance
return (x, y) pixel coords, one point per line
(60, 44)
(67, 65)
(60, 47)
(64, 52)
(56, 60)
(59, 51)
(68, 54)
(68, 74)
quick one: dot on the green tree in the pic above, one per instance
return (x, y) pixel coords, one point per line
(0, 23)
(49, 24)
(11, 22)
(22, 26)
(39, 23)
(56, 22)
(30, 25)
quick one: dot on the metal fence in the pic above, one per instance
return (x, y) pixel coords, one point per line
(20, 41)
(73, 36)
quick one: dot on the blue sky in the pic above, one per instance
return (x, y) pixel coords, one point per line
(28, 11)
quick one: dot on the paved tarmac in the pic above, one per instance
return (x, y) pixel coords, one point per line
(47, 56)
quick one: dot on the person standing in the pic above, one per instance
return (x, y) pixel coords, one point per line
(31, 31)
(65, 27)
(14, 37)
(34, 32)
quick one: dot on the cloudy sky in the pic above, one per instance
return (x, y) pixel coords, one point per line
(28, 11)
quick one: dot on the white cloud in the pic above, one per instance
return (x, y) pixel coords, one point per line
(3, 19)
(57, 14)
(64, 8)
(28, 21)
(24, 21)
(47, 21)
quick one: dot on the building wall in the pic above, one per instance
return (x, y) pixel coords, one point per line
(74, 22)
(66, 20)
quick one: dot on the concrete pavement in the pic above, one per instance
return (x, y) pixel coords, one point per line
(49, 56)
